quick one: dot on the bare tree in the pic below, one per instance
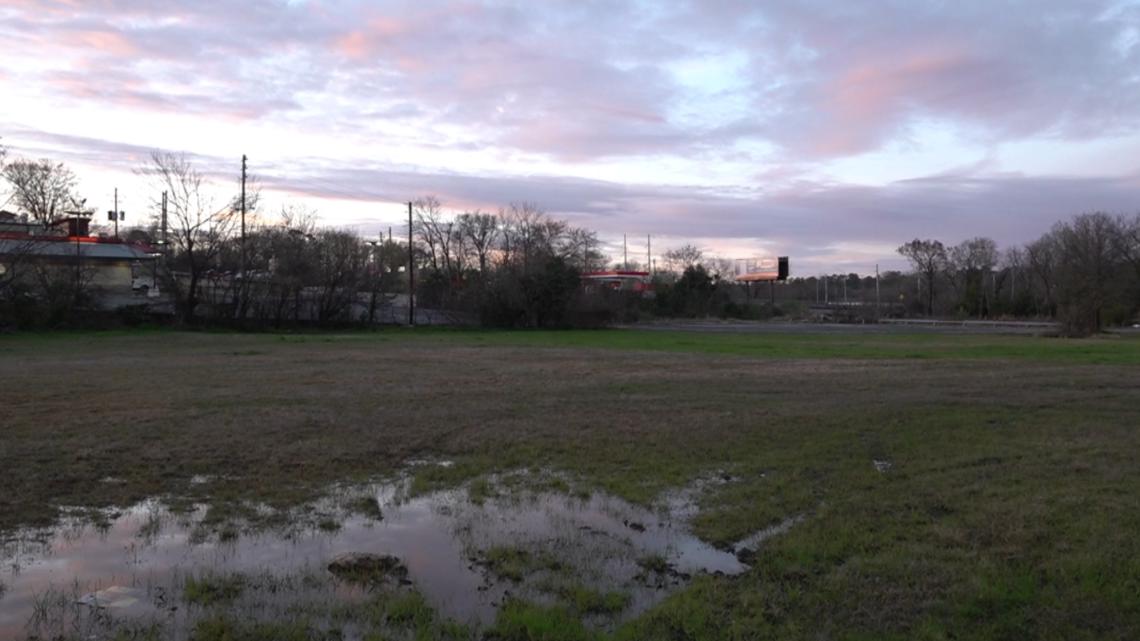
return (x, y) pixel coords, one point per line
(291, 260)
(430, 229)
(719, 268)
(199, 227)
(1128, 243)
(1042, 256)
(341, 258)
(577, 247)
(6, 196)
(1088, 250)
(971, 262)
(481, 232)
(1013, 262)
(42, 188)
(928, 257)
(529, 235)
(683, 257)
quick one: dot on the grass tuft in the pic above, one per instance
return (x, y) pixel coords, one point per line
(523, 621)
(211, 589)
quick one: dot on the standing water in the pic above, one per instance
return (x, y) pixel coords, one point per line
(464, 557)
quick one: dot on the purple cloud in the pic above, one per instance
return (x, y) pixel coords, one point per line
(782, 86)
(588, 80)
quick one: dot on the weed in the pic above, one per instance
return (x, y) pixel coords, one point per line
(479, 491)
(222, 628)
(523, 621)
(584, 600)
(654, 564)
(409, 609)
(366, 506)
(328, 524)
(515, 563)
(211, 589)
(228, 533)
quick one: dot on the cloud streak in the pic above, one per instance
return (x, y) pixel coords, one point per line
(590, 80)
(719, 120)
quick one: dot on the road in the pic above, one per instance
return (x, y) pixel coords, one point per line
(789, 327)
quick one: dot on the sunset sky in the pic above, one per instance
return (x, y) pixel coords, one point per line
(827, 130)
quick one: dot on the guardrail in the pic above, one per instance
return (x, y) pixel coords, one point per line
(930, 322)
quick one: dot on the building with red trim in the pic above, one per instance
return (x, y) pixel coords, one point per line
(618, 280)
(115, 271)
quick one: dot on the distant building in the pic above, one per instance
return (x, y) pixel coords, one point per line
(12, 223)
(618, 280)
(117, 272)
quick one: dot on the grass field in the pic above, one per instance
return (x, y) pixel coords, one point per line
(1010, 509)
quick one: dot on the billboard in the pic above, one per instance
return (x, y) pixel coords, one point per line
(750, 270)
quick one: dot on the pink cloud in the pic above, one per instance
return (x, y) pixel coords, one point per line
(870, 97)
(105, 42)
(360, 44)
(580, 81)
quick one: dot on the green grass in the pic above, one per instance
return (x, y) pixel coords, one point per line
(588, 601)
(403, 615)
(1101, 350)
(654, 564)
(222, 628)
(211, 589)
(1009, 511)
(479, 490)
(1105, 349)
(522, 621)
(515, 563)
(366, 506)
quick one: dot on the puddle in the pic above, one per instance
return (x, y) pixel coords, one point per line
(453, 551)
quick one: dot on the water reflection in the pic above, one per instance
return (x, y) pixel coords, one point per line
(145, 553)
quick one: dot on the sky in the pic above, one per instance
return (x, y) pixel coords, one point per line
(830, 131)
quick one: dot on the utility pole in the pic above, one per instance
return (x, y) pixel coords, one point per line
(165, 252)
(877, 309)
(624, 252)
(411, 273)
(78, 262)
(115, 215)
(240, 290)
(649, 254)
(243, 270)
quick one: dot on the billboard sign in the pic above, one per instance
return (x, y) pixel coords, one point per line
(750, 270)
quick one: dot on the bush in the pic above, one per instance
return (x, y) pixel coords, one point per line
(548, 297)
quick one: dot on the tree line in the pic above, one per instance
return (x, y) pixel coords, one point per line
(517, 267)
(1084, 272)
(520, 267)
